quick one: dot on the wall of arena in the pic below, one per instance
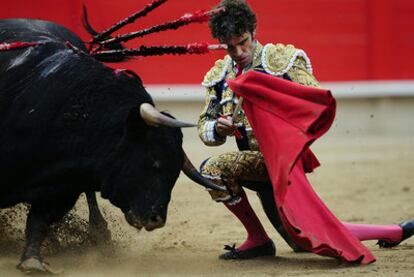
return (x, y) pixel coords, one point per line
(346, 40)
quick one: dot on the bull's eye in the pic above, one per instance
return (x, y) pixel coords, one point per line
(156, 164)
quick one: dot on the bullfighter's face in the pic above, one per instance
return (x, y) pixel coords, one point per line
(241, 48)
(141, 185)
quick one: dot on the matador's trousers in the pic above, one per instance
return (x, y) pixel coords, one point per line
(244, 169)
(234, 170)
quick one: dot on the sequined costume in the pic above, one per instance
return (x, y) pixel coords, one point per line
(245, 166)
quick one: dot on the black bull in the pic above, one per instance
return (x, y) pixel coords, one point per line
(69, 124)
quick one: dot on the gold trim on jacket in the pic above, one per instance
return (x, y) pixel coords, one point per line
(275, 59)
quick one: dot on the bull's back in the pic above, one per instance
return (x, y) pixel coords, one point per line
(25, 68)
(20, 61)
(34, 30)
(38, 82)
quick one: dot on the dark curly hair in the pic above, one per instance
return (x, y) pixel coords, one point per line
(238, 19)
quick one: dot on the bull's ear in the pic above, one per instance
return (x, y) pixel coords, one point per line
(135, 126)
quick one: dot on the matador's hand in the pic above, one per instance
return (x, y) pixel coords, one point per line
(225, 126)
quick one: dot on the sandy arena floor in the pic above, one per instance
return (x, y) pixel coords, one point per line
(365, 177)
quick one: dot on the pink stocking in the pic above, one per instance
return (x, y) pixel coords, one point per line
(256, 235)
(389, 233)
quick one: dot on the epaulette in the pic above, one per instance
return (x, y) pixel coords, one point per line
(217, 73)
(278, 59)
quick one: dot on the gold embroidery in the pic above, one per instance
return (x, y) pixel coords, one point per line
(278, 57)
(232, 169)
(217, 72)
(299, 74)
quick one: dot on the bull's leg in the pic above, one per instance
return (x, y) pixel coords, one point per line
(98, 227)
(41, 215)
(267, 199)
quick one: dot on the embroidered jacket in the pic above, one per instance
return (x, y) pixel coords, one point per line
(276, 59)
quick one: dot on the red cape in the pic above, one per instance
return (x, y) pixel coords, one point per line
(286, 118)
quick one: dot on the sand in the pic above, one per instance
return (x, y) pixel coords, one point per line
(365, 177)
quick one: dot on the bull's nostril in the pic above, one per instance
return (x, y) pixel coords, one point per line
(155, 219)
(154, 222)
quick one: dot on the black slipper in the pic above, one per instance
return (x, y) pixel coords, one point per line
(266, 249)
(408, 231)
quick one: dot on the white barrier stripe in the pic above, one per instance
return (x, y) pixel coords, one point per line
(358, 89)
(348, 89)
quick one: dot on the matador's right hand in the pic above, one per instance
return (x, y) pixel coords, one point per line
(225, 126)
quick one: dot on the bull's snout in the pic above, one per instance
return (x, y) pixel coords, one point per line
(154, 222)
(150, 222)
(134, 220)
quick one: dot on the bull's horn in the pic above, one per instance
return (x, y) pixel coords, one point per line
(193, 174)
(153, 117)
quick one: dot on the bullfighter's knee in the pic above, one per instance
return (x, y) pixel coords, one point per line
(218, 170)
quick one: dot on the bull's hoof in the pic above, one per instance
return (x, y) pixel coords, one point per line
(36, 266)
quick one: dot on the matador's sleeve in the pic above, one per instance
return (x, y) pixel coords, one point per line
(279, 59)
(212, 109)
(299, 74)
(207, 120)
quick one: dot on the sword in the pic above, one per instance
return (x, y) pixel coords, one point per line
(236, 116)
(237, 109)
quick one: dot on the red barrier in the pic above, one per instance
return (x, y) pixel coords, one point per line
(346, 40)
